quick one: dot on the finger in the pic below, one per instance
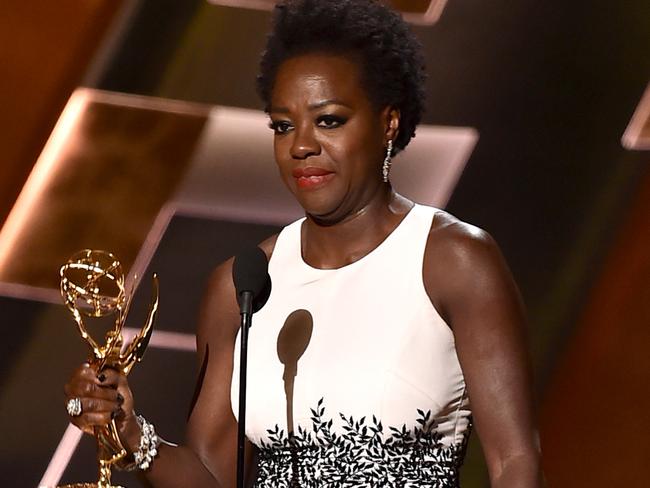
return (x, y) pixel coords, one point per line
(85, 372)
(88, 421)
(108, 378)
(88, 389)
(89, 372)
(94, 405)
(81, 424)
(82, 375)
(125, 391)
(90, 408)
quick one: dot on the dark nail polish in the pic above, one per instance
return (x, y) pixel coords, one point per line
(120, 399)
(101, 377)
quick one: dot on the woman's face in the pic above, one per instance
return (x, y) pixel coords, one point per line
(329, 140)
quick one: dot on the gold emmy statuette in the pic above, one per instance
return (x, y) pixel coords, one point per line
(92, 285)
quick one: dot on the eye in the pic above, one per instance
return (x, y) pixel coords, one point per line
(330, 121)
(280, 126)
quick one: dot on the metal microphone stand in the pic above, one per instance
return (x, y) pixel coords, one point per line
(246, 318)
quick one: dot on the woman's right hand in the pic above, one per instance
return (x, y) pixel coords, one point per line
(105, 395)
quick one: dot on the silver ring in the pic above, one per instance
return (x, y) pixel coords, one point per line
(73, 407)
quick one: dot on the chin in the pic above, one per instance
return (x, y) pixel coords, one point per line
(320, 203)
(319, 208)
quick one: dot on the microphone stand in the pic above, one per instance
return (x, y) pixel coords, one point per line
(246, 312)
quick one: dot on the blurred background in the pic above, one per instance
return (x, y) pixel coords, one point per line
(133, 126)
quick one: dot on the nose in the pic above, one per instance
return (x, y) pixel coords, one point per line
(304, 143)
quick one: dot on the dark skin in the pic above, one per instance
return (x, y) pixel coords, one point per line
(323, 119)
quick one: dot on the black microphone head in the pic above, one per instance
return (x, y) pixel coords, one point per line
(250, 272)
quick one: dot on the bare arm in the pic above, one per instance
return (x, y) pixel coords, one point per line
(209, 456)
(470, 284)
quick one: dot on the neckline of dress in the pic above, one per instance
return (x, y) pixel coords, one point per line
(379, 246)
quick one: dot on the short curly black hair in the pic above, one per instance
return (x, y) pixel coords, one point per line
(392, 62)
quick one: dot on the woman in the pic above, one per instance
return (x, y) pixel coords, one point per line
(413, 323)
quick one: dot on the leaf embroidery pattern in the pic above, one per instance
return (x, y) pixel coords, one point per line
(365, 454)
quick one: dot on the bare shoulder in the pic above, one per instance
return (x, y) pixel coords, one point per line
(458, 244)
(220, 311)
(220, 286)
(268, 245)
(461, 263)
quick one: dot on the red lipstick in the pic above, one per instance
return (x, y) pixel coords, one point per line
(312, 177)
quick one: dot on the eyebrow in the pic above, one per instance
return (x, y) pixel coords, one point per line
(313, 106)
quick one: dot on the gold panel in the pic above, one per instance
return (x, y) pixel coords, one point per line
(111, 163)
(45, 49)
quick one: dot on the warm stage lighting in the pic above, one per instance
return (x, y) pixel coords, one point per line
(112, 161)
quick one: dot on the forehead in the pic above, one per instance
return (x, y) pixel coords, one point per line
(311, 78)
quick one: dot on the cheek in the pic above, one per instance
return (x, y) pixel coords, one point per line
(283, 161)
(280, 153)
(361, 145)
(356, 156)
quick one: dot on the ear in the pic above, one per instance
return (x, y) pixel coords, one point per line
(391, 116)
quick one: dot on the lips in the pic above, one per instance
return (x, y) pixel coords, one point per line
(309, 171)
(312, 177)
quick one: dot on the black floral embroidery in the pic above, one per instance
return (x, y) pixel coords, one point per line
(362, 456)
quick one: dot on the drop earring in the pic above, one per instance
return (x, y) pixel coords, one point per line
(385, 169)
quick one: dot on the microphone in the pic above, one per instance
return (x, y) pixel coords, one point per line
(251, 278)
(253, 285)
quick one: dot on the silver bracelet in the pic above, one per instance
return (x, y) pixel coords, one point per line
(148, 448)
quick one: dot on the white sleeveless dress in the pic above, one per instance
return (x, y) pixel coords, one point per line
(379, 398)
